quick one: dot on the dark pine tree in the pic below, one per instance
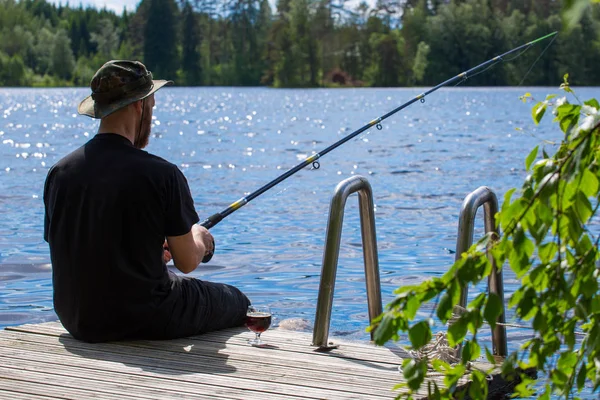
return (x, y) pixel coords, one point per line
(160, 39)
(190, 63)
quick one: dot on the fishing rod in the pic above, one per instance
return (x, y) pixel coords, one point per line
(218, 217)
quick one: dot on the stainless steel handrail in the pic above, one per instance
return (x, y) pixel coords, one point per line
(332, 250)
(483, 196)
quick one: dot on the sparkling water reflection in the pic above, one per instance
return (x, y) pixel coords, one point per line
(231, 141)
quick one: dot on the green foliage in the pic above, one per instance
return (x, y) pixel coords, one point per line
(420, 62)
(548, 242)
(306, 43)
(385, 68)
(574, 11)
(106, 38)
(62, 61)
(12, 70)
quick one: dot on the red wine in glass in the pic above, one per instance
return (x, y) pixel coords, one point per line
(258, 320)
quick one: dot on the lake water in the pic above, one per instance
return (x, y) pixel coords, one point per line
(231, 141)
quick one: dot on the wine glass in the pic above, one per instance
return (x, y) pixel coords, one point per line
(258, 320)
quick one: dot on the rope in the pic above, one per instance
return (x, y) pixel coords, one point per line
(437, 349)
(458, 310)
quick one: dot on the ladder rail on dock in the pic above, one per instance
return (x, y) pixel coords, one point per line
(482, 196)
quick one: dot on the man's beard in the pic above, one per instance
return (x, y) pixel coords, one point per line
(143, 136)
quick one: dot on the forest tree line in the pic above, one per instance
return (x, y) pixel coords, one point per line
(298, 43)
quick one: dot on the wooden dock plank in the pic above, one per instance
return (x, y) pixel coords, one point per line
(239, 349)
(275, 373)
(285, 341)
(109, 370)
(54, 390)
(197, 365)
(44, 361)
(242, 352)
(7, 391)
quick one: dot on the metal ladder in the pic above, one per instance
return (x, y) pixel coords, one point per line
(332, 249)
(482, 196)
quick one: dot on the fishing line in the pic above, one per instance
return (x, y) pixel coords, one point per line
(535, 62)
(313, 159)
(500, 60)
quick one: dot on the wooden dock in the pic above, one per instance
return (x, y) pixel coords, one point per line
(43, 361)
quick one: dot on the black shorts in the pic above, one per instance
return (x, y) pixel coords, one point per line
(203, 307)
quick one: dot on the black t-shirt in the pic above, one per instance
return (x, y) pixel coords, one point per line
(109, 207)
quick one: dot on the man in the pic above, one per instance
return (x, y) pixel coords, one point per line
(109, 208)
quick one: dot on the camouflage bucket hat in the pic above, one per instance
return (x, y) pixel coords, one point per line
(117, 84)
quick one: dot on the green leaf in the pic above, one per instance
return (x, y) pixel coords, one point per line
(471, 351)
(522, 251)
(527, 305)
(589, 287)
(546, 394)
(477, 302)
(544, 213)
(478, 388)
(444, 309)
(475, 321)
(468, 272)
(544, 154)
(493, 309)
(513, 212)
(385, 330)
(507, 197)
(589, 183)
(519, 263)
(583, 207)
(457, 331)
(447, 302)
(559, 378)
(538, 230)
(412, 306)
(568, 116)
(453, 375)
(573, 224)
(538, 111)
(414, 372)
(540, 323)
(547, 252)
(440, 366)
(508, 366)
(581, 376)
(531, 157)
(522, 244)
(489, 356)
(592, 103)
(525, 97)
(525, 388)
(538, 277)
(516, 297)
(419, 334)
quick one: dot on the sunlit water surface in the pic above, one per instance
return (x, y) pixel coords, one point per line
(231, 141)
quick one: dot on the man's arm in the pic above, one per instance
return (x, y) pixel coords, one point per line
(188, 250)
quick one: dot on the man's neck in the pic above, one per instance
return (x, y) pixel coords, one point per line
(107, 126)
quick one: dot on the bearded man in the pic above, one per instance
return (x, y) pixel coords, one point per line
(111, 210)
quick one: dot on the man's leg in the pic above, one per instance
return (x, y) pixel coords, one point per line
(225, 305)
(203, 307)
